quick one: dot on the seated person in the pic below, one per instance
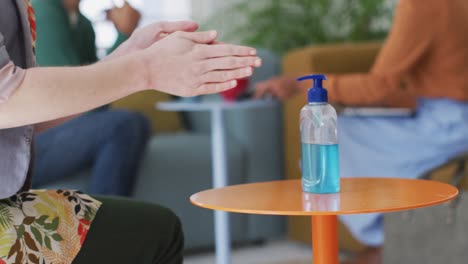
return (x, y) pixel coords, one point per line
(54, 226)
(108, 142)
(424, 65)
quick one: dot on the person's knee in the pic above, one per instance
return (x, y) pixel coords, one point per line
(169, 241)
(139, 231)
(140, 122)
(130, 124)
(169, 222)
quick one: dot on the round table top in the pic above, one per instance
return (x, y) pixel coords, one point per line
(358, 195)
(212, 105)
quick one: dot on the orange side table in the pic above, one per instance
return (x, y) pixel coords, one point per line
(358, 195)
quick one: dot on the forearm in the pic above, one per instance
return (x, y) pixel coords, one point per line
(52, 93)
(370, 89)
(363, 89)
(389, 81)
(121, 38)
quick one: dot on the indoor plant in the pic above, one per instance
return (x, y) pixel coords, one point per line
(282, 25)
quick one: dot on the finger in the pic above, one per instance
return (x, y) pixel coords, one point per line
(222, 50)
(260, 91)
(126, 5)
(204, 37)
(278, 92)
(210, 88)
(224, 76)
(163, 35)
(164, 28)
(109, 14)
(228, 63)
(171, 27)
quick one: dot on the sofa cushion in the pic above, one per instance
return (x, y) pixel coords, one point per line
(144, 102)
(179, 165)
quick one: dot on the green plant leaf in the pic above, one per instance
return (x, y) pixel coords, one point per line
(57, 237)
(37, 234)
(20, 231)
(53, 225)
(285, 25)
(47, 242)
(41, 220)
(6, 218)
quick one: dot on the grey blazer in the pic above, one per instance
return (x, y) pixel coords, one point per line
(16, 52)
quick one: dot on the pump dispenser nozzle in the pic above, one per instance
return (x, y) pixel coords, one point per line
(316, 94)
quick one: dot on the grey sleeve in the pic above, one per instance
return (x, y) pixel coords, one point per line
(15, 156)
(4, 57)
(11, 76)
(15, 143)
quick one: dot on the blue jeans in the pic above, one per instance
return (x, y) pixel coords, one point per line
(405, 147)
(110, 143)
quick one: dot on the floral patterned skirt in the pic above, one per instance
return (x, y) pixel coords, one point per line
(44, 226)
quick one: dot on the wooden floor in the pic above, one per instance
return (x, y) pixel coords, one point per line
(277, 252)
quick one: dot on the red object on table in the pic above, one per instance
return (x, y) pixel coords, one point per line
(231, 94)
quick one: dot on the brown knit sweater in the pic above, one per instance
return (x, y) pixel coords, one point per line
(425, 55)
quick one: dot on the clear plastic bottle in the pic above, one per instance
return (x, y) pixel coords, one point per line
(319, 138)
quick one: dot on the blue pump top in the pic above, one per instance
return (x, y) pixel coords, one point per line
(316, 94)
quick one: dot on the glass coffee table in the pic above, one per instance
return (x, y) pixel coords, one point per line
(357, 196)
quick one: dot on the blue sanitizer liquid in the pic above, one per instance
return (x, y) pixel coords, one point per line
(320, 168)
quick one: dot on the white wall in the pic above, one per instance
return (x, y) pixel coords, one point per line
(152, 10)
(166, 10)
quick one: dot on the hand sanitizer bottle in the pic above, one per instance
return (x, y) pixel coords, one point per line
(319, 138)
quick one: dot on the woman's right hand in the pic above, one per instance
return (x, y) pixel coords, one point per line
(281, 87)
(189, 64)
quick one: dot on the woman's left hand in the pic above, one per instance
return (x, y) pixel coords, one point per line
(144, 37)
